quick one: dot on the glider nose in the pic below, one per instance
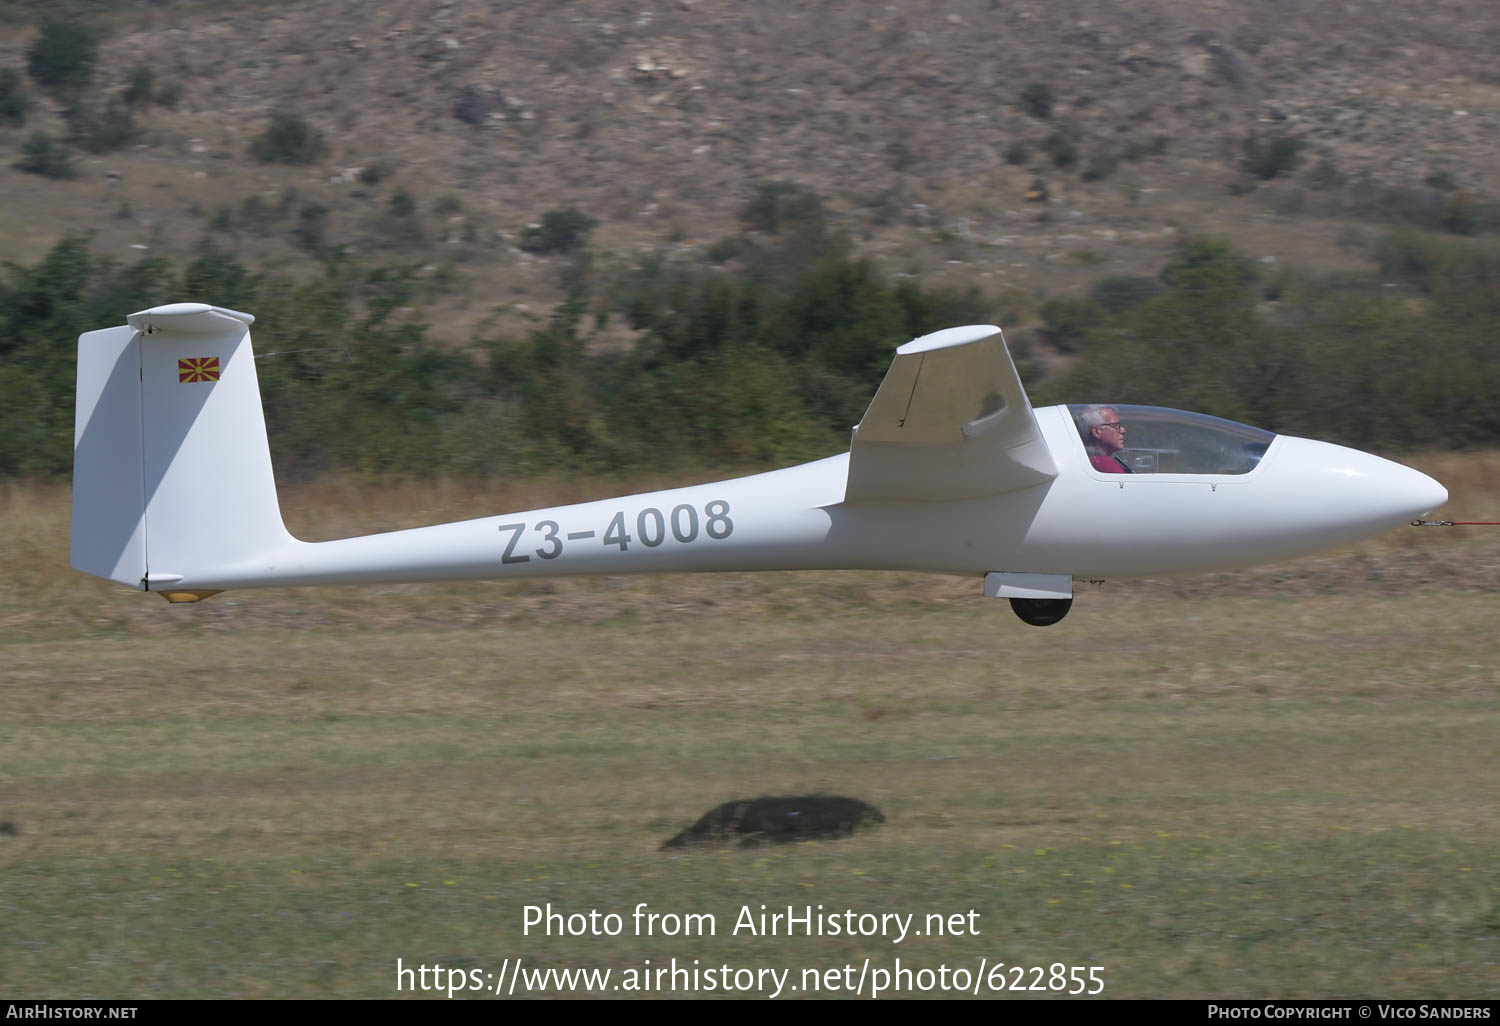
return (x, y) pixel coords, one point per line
(1360, 489)
(1395, 491)
(1421, 493)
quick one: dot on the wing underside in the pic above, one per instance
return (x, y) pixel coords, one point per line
(950, 421)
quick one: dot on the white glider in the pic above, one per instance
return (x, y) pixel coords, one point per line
(950, 470)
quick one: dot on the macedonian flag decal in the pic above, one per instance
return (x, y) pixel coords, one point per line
(202, 368)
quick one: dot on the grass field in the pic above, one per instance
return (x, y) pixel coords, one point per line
(1279, 782)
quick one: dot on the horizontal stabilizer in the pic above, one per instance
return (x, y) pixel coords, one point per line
(190, 319)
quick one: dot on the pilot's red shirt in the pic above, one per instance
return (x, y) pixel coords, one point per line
(1107, 464)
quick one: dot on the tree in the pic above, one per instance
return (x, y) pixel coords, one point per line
(1067, 322)
(1198, 345)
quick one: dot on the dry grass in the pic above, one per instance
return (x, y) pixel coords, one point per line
(39, 594)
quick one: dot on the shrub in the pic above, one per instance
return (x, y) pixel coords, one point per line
(101, 131)
(1102, 163)
(1442, 180)
(900, 156)
(312, 227)
(1140, 149)
(1062, 148)
(1120, 292)
(42, 155)
(288, 139)
(169, 95)
(726, 249)
(13, 98)
(139, 86)
(1067, 322)
(778, 205)
(1326, 175)
(403, 203)
(1017, 153)
(257, 215)
(1036, 100)
(560, 231)
(1267, 157)
(376, 172)
(215, 274)
(62, 55)
(1203, 265)
(1459, 215)
(400, 226)
(472, 106)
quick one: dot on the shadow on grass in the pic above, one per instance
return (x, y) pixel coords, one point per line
(779, 820)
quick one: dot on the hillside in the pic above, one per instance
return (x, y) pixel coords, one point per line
(447, 128)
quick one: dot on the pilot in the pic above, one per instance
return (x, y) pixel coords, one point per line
(1104, 437)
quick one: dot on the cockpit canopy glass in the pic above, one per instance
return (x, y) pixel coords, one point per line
(1156, 440)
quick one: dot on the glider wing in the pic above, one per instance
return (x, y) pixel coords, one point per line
(950, 421)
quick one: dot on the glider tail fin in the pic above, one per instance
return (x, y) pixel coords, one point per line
(172, 482)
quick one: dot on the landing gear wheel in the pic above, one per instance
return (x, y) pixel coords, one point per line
(1041, 612)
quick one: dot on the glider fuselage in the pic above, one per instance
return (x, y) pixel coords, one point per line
(950, 470)
(1304, 496)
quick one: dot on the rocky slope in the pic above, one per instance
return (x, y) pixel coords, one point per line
(658, 119)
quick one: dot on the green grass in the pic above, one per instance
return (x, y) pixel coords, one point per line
(1232, 796)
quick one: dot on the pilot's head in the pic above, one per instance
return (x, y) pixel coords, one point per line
(1102, 423)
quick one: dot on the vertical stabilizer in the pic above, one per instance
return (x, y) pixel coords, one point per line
(172, 469)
